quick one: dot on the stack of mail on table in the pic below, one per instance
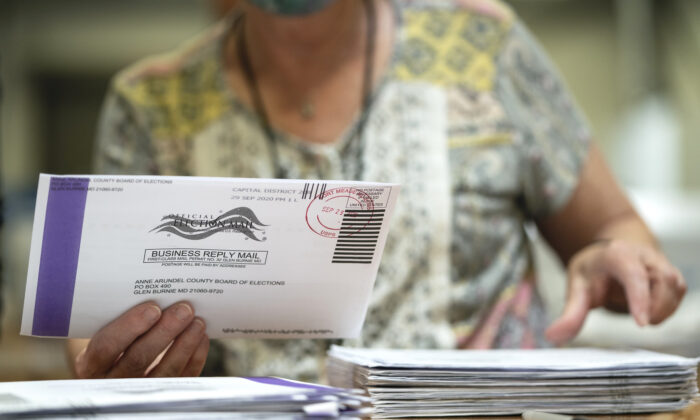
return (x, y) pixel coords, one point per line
(434, 383)
(189, 398)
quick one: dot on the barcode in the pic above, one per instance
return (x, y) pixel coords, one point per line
(358, 236)
(312, 191)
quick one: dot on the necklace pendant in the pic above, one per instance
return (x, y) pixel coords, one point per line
(308, 111)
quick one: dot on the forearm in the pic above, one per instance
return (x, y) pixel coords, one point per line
(627, 227)
(598, 209)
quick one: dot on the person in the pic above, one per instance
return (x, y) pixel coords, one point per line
(455, 101)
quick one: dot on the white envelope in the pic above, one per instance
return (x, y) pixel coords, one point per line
(255, 257)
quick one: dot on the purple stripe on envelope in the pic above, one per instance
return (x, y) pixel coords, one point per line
(63, 227)
(269, 380)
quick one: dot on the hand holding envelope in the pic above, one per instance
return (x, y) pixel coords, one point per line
(137, 344)
(254, 258)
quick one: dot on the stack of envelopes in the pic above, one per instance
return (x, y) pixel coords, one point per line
(435, 383)
(185, 398)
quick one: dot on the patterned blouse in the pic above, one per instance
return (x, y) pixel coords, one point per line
(470, 117)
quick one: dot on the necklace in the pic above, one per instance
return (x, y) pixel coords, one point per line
(308, 111)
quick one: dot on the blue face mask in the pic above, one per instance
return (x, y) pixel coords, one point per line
(291, 7)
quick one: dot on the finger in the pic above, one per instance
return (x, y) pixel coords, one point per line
(664, 300)
(667, 285)
(681, 285)
(75, 350)
(157, 360)
(657, 265)
(182, 350)
(141, 354)
(666, 296)
(112, 340)
(196, 363)
(571, 320)
(628, 270)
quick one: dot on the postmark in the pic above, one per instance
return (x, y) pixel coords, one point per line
(325, 214)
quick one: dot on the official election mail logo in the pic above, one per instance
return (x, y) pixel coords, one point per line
(199, 226)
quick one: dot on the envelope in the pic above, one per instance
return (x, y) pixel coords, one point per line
(255, 257)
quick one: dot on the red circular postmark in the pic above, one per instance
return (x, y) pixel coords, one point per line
(325, 214)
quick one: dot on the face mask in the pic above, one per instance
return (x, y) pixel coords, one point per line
(291, 7)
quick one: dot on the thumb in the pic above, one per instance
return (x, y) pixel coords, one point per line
(571, 320)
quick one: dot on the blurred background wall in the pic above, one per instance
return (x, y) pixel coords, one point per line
(633, 65)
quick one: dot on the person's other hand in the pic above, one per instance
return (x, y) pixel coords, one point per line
(622, 277)
(147, 341)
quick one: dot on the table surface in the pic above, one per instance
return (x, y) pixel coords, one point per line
(591, 417)
(692, 412)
